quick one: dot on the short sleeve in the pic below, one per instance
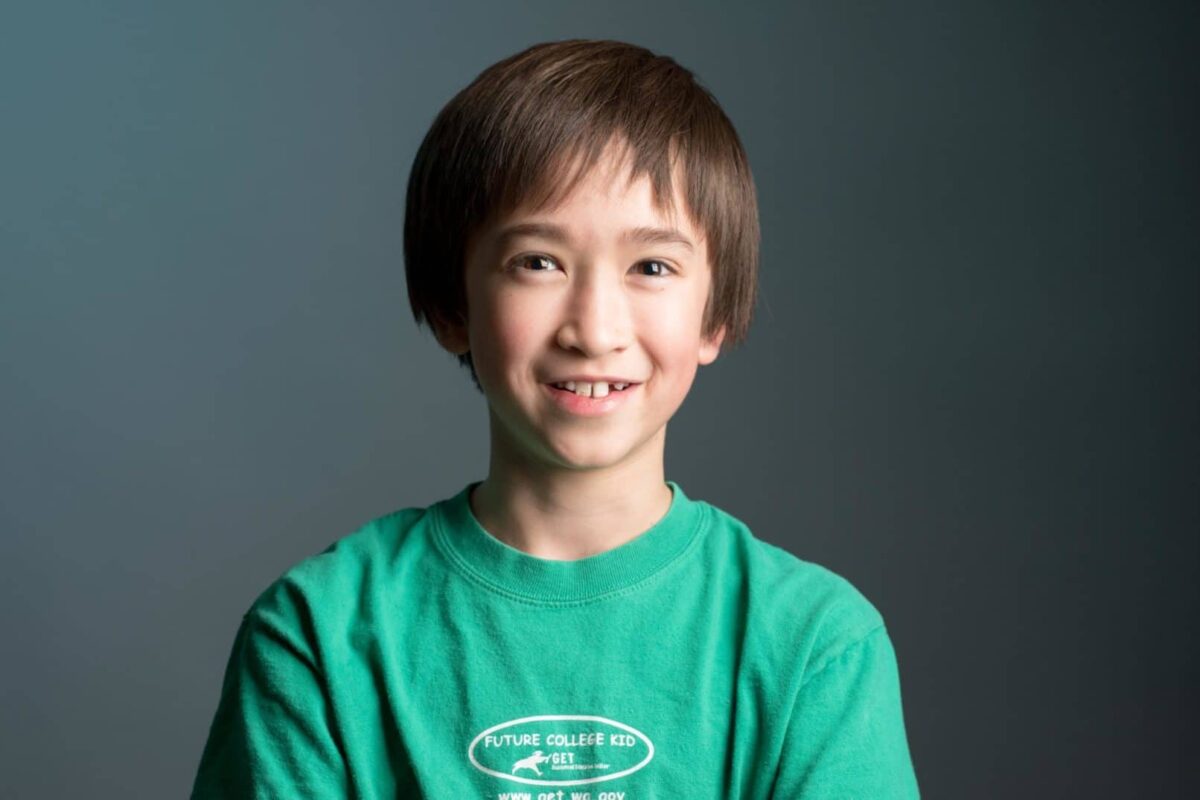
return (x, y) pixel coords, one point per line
(846, 736)
(271, 734)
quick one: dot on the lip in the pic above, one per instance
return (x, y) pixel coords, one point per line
(590, 406)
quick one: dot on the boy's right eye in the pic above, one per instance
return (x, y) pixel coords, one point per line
(536, 263)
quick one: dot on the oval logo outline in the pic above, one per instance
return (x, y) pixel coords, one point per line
(559, 717)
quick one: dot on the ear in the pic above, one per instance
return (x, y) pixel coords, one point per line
(452, 335)
(710, 347)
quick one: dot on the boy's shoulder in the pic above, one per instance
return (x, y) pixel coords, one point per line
(332, 580)
(824, 606)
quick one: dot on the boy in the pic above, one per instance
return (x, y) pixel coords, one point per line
(582, 233)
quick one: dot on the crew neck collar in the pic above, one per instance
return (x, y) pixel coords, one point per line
(516, 573)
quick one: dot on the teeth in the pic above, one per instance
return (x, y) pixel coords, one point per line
(597, 389)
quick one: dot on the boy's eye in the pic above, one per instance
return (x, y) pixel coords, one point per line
(539, 263)
(663, 269)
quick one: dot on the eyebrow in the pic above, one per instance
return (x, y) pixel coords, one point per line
(556, 233)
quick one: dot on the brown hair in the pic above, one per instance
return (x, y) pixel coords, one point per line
(508, 138)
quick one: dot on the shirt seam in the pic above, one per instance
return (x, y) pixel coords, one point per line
(469, 572)
(845, 651)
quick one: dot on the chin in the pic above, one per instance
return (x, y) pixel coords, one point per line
(589, 455)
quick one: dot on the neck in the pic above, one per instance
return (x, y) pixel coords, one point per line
(568, 514)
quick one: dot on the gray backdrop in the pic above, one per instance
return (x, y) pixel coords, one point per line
(971, 387)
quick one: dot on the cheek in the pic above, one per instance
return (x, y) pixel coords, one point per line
(506, 329)
(671, 333)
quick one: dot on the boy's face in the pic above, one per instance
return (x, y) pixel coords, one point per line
(575, 290)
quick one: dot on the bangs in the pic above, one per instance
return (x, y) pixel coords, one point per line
(536, 183)
(534, 152)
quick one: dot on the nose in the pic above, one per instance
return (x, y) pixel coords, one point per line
(597, 318)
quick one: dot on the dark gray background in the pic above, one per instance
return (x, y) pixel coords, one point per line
(971, 387)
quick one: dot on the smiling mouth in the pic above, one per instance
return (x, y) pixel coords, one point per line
(590, 405)
(612, 387)
(598, 390)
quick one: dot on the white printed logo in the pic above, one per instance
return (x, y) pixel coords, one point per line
(560, 750)
(531, 762)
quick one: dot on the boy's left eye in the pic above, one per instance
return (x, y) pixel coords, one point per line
(662, 265)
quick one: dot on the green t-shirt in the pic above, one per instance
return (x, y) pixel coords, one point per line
(422, 657)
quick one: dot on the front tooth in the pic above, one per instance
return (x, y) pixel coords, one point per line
(600, 389)
(583, 389)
